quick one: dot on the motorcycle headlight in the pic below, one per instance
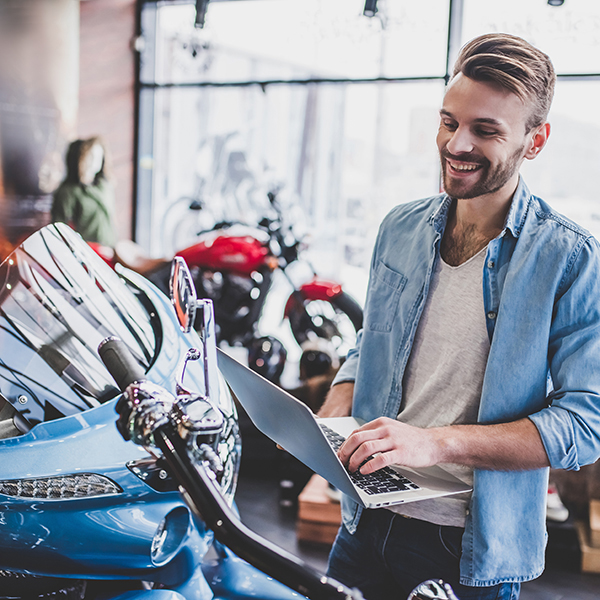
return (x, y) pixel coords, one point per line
(229, 447)
(63, 487)
(169, 535)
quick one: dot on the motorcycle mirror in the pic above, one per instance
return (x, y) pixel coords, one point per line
(183, 294)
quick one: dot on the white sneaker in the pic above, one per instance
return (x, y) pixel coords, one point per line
(555, 509)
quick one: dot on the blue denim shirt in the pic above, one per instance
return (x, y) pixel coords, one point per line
(541, 290)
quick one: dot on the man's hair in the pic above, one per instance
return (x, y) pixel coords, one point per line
(513, 64)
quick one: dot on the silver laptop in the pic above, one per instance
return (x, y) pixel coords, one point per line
(292, 425)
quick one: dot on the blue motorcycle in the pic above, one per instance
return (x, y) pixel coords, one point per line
(84, 513)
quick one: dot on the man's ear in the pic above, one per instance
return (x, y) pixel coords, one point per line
(538, 139)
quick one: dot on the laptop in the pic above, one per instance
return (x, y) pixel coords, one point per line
(291, 424)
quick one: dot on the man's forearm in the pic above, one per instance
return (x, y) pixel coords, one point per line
(505, 446)
(339, 401)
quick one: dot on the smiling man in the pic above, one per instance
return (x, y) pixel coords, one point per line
(480, 350)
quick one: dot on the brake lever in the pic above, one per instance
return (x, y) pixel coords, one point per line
(191, 354)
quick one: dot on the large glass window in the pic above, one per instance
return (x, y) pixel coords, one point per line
(300, 39)
(564, 174)
(345, 153)
(569, 34)
(337, 111)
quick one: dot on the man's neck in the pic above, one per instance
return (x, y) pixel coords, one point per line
(473, 223)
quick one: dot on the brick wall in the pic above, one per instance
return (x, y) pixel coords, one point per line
(107, 91)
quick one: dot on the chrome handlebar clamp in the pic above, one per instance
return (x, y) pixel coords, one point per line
(196, 416)
(200, 424)
(197, 421)
(145, 406)
(149, 408)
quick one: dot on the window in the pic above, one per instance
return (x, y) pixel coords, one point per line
(337, 110)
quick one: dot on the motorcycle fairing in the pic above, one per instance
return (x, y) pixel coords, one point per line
(231, 577)
(55, 294)
(58, 300)
(109, 535)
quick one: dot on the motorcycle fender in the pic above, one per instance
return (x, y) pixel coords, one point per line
(232, 578)
(315, 289)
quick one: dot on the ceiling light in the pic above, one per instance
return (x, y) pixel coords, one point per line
(556, 2)
(370, 8)
(201, 6)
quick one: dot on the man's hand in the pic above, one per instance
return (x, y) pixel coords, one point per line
(505, 447)
(389, 442)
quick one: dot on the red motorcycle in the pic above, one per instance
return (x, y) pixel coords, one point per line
(234, 264)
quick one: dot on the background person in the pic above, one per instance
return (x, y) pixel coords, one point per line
(480, 350)
(85, 199)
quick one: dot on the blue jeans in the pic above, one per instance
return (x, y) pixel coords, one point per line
(389, 555)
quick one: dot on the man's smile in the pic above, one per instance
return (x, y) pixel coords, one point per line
(462, 167)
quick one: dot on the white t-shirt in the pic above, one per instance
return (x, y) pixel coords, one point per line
(444, 375)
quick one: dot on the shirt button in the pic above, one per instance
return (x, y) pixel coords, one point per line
(491, 315)
(490, 264)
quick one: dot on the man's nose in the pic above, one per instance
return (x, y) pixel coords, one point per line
(461, 142)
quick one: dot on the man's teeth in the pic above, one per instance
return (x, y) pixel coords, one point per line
(463, 167)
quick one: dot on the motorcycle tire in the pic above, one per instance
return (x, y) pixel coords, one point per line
(336, 320)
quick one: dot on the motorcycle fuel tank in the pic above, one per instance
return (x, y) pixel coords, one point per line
(238, 249)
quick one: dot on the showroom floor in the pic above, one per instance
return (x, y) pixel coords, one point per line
(258, 500)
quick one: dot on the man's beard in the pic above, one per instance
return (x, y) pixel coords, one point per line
(489, 181)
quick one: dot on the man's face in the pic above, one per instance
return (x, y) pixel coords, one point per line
(482, 138)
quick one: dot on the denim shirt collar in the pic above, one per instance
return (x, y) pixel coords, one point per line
(514, 220)
(518, 209)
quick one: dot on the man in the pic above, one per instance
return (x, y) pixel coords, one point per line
(480, 350)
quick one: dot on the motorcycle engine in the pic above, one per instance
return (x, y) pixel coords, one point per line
(234, 297)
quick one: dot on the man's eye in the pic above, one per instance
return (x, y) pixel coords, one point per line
(449, 125)
(486, 132)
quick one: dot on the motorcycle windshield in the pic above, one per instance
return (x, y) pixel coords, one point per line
(58, 301)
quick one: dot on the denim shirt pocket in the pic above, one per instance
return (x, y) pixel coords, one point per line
(384, 294)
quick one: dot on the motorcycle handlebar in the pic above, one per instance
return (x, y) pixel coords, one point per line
(206, 500)
(120, 363)
(208, 503)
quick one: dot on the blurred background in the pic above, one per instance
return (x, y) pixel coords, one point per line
(334, 109)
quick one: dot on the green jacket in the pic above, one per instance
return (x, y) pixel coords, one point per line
(88, 209)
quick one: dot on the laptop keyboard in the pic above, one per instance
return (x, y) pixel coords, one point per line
(379, 482)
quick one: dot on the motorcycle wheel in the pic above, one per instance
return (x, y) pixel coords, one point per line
(336, 320)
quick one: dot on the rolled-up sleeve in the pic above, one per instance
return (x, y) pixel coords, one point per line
(570, 425)
(347, 372)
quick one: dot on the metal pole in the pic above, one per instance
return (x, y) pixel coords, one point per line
(455, 22)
